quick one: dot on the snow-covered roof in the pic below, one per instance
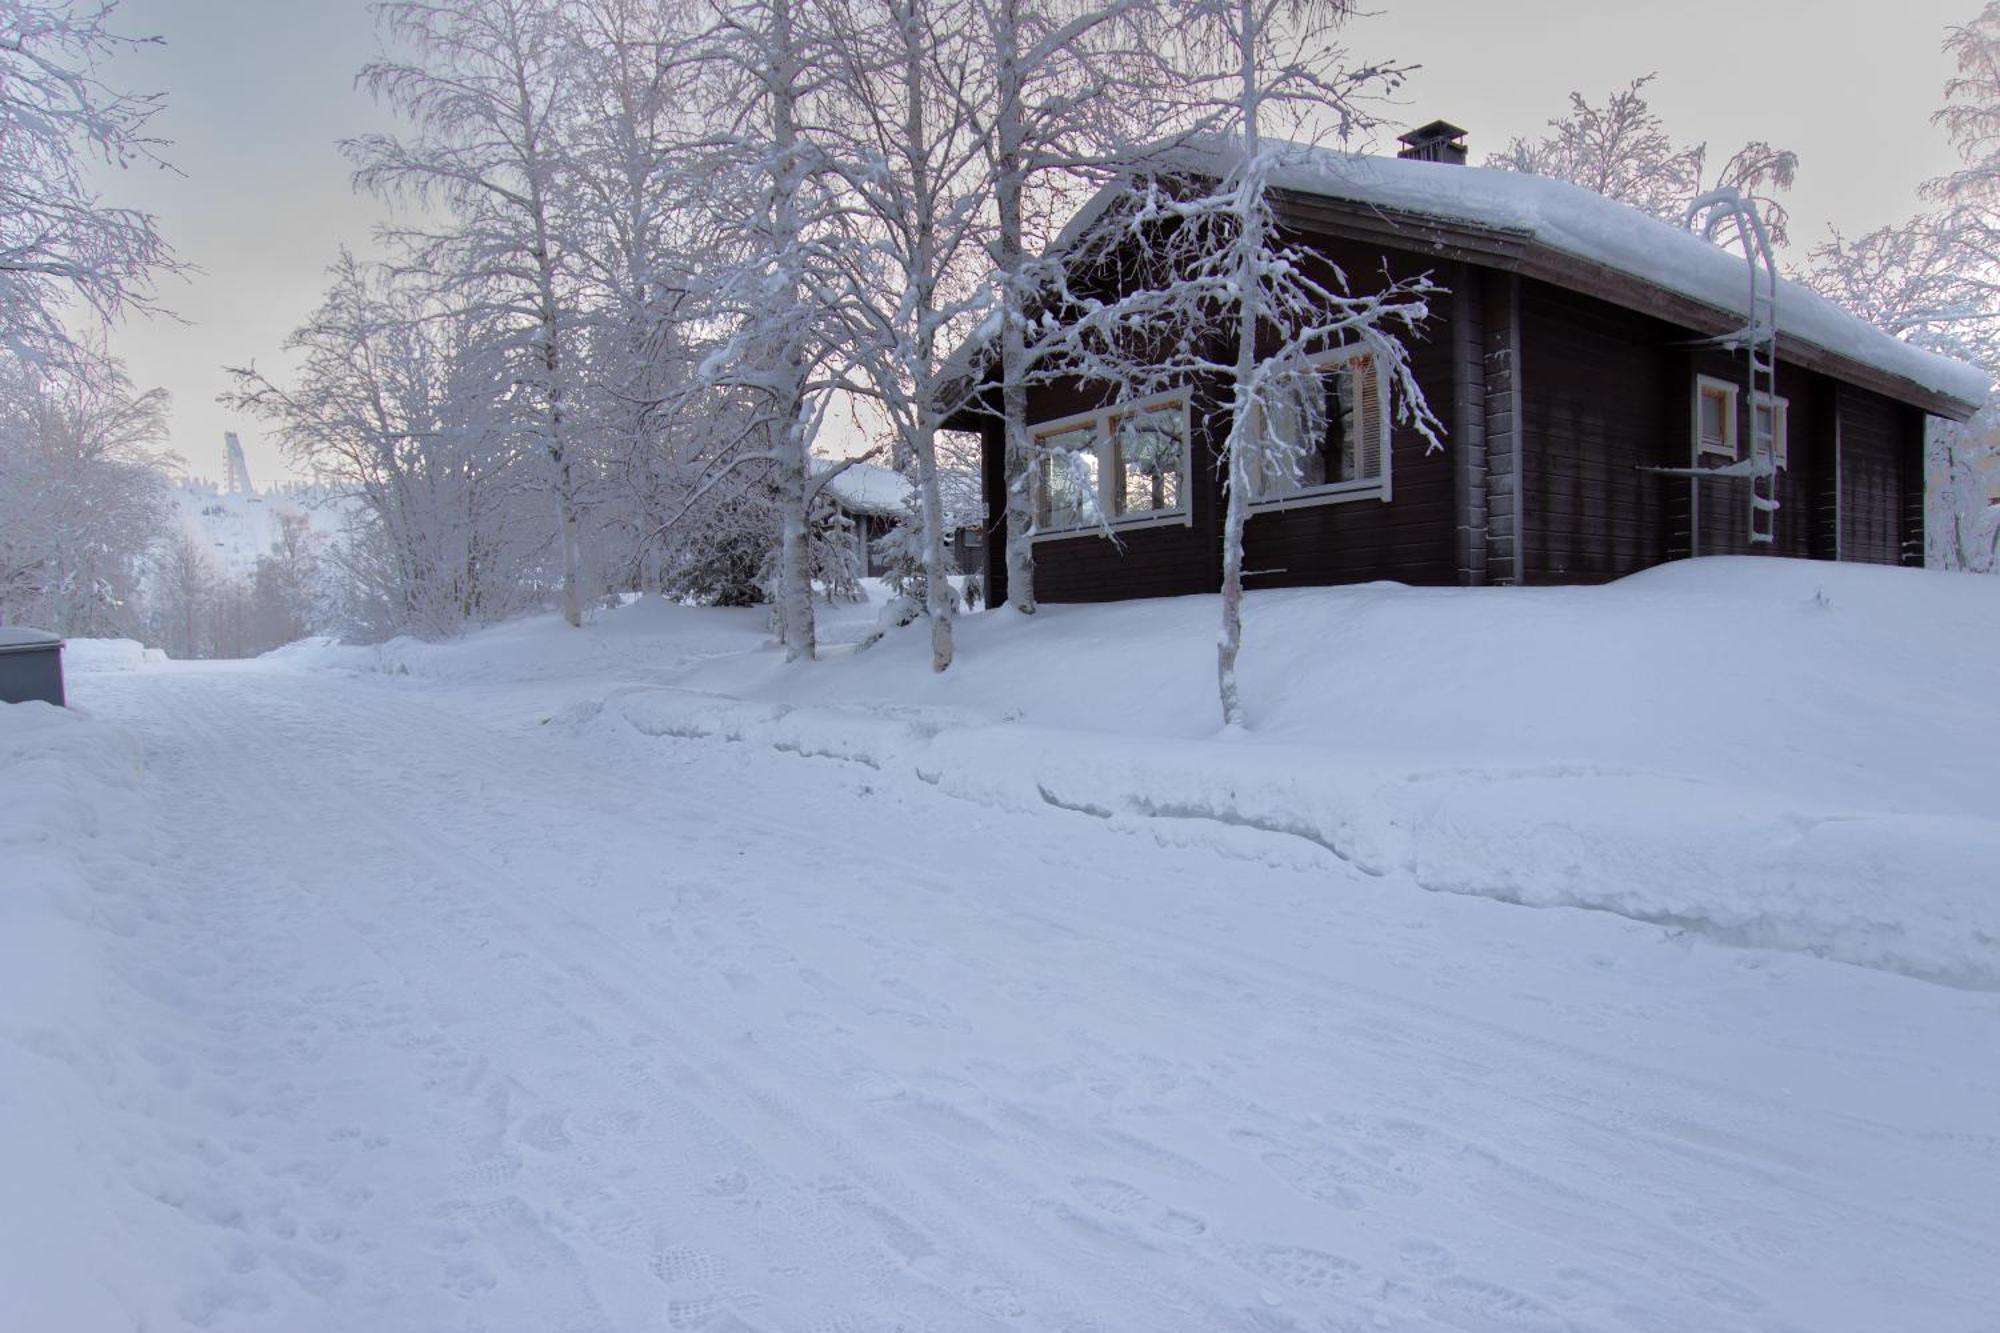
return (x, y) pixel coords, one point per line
(19, 638)
(1585, 225)
(870, 488)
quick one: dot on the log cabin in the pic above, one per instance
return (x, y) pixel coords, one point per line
(1592, 424)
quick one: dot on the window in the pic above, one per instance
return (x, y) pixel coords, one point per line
(1067, 468)
(1330, 431)
(1714, 417)
(1125, 465)
(1773, 421)
(1715, 423)
(1149, 450)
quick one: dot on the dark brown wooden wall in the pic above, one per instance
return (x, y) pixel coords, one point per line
(1725, 501)
(1564, 402)
(1875, 437)
(1165, 561)
(1602, 399)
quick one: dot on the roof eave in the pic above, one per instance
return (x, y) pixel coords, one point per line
(1521, 252)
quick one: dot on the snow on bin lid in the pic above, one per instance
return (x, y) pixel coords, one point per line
(21, 639)
(1576, 222)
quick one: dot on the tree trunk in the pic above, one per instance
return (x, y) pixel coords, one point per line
(1246, 428)
(796, 629)
(795, 609)
(923, 277)
(1017, 453)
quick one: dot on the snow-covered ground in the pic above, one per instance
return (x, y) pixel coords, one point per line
(551, 980)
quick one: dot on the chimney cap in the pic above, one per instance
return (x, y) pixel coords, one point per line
(1436, 131)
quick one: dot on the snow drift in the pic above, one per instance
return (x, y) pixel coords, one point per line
(72, 868)
(1764, 752)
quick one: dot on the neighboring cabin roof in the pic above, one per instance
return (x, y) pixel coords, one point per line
(1501, 218)
(869, 488)
(881, 492)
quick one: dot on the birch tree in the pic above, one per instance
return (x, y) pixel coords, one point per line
(485, 89)
(1276, 58)
(405, 404)
(1623, 150)
(1060, 105)
(60, 243)
(910, 261)
(634, 235)
(1934, 280)
(82, 493)
(763, 64)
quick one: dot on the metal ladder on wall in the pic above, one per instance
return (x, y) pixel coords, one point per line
(1711, 214)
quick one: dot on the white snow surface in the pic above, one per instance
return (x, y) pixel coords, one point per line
(628, 979)
(869, 488)
(237, 529)
(1586, 225)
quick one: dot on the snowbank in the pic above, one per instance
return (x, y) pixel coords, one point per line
(73, 851)
(1763, 752)
(1767, 752)
(81, 655)
(640, 640)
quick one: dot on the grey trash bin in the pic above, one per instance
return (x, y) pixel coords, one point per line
(30, 665)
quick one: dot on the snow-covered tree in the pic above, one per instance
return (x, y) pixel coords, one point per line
(1233, 297)
(82, 493)
(60, 243)
(764, 70)
(1059, 100)
(184, 582)
(1623, 150)
(1935, 281)
(909, 260)
(485, 88)
(409, 405)
(634, 240)
(287, 592)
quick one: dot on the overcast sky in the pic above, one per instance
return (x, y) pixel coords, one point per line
(261, 91)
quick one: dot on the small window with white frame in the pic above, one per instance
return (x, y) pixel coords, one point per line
(1330, 430)
(1773, 420)
(1121, 466)
(1715, 418)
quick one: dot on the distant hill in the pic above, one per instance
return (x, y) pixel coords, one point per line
(236, 529)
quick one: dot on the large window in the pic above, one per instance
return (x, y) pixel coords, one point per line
(1329, 428)
(1121, 466)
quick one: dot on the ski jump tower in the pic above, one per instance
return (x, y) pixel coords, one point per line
(237, 474)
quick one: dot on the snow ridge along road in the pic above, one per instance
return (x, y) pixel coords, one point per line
(454, 1020)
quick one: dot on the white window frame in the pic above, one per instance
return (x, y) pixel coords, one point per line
(1098, 421)
(1781, 428)
(1345, 492)
(1733, 451)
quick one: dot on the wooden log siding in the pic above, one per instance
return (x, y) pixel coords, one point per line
(1823, 439)
(1915, 486)
(1468, 423)
(1725, 501)
(1413, 537)
(1604, 398)
(1171, 560)
(1500, 306)
(1873, 435)
(1557, 402)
